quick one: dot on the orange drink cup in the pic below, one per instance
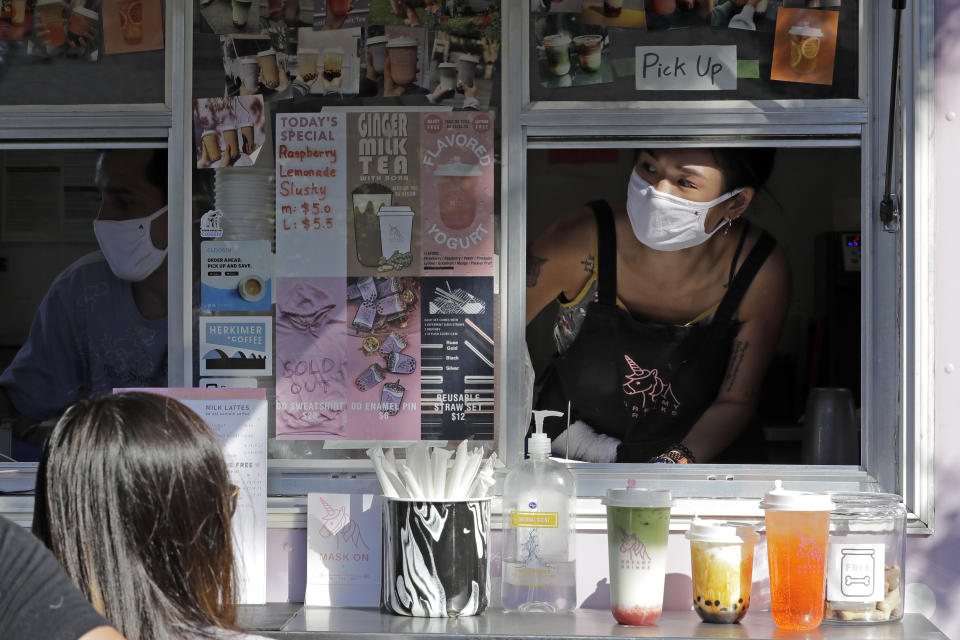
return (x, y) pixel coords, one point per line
(50, 15)
(804, 48)
(798, 524)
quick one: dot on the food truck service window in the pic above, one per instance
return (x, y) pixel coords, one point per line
(374, 216)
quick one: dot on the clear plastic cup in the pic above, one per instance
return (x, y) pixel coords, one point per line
(721, 559)
(798, 524)
(638, 527)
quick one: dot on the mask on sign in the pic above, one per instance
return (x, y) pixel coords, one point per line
(665, 222)
(127, 246)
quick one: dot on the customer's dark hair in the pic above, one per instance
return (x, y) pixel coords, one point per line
(744, 166)
(133, 499)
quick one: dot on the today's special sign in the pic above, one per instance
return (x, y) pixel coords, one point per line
(687, 68)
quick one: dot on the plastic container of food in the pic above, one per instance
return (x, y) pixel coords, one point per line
(865, 559)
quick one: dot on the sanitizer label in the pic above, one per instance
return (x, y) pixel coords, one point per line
(540, 519)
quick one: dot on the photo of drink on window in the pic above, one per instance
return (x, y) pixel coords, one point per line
(671, 304)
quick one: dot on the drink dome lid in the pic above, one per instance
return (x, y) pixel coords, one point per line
(402, 41)
(459, 169)
(781, 499)
(637, 498)
(805, 30)
(721, 532)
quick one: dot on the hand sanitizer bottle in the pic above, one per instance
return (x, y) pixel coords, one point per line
(539, 520)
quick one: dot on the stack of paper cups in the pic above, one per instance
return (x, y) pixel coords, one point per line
(246, 197)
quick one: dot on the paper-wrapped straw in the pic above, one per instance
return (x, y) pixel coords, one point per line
(441, 460)
(434, 473)
(376, 456)
(413, 487)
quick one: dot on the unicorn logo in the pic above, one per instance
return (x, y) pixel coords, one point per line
(810, 553)
(336, 522)
(655, 394)
(635, 550)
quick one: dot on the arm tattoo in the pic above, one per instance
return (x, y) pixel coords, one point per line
(588, 263)
(736, 358)
(533, 269)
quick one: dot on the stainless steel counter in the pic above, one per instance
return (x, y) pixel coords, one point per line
(369, 624)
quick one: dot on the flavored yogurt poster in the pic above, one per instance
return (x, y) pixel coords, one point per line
(312, 368)
(383, 227)
(457, 385)
(238, 417)
(383, 352)
(311, 149)
(456, 198)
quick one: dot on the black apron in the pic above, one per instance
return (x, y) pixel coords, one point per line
(645, 383)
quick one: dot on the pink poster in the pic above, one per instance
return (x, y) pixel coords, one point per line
(456, 194)
(383, 352)
(311, 357)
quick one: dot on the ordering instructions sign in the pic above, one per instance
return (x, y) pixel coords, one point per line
(687, 68)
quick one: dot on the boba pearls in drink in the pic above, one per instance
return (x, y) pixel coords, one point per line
(721, 558)
(638, 526)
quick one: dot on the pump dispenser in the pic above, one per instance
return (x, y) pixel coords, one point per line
(539, 520)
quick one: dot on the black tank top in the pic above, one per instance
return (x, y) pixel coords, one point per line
(645, 383)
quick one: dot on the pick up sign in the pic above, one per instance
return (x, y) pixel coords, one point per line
(687, 68)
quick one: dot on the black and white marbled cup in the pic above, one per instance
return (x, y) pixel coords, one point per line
(436, 557)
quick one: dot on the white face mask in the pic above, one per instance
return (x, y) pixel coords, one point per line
(665, 222)
(127, 246)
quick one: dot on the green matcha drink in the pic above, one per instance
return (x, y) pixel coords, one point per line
(638, 525)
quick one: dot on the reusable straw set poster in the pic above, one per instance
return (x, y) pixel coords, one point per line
(384, 275)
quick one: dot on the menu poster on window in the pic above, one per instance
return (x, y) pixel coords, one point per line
(235, 275)
(238, 417)
(383, 230)
(312, 370)
(235, 346)
(384, 358)
(343, 550)
(457, 354)
(311, 199)
(805, 46)
(456, 193)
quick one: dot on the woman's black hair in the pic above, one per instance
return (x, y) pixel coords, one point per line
(134, 500)
(744, 166)
(740, 166)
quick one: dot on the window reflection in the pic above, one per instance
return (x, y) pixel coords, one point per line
(101, 237)
(817, 241)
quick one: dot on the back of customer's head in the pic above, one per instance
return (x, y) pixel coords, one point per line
(133, 499)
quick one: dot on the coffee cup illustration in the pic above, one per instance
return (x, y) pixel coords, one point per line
(396, 226)
(251, 288)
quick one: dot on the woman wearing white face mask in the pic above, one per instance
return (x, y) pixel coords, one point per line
(671, 305)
